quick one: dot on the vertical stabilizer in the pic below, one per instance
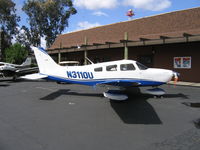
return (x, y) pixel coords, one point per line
(27, 62)
(45, 63)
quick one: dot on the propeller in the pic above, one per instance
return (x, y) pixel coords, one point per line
(175, 76)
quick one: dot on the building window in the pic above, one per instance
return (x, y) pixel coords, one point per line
(111, 68)
(147, 60)
(127, 67)
(99, 69)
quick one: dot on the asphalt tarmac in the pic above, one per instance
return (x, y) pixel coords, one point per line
(49, 116)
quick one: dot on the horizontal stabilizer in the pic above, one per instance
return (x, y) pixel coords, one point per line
(34, 76)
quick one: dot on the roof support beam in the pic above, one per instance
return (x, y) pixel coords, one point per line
(97, 44)
(125, 45)
(186, 35)
(74, 47)
(143, 40)
(59, 57)
(164, 38)
(123, 41)
(110, 43)
(59, 54)
(85, 51)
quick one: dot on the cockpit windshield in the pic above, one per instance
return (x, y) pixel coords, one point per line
(141, 66)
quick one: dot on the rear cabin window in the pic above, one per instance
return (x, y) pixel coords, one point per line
(127, 67)
(99, 69)
(111, 68)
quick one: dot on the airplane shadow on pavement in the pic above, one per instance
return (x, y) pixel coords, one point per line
(4, 85)
(61, 92)
(136, 110)
(179, 95)
(4, 82)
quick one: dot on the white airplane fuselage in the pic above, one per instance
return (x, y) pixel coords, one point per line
(98, 73)
(121, 74)
(7, 66)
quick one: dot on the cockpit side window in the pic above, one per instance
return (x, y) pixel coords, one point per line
(127, 67)
(141, 66)
(99, 69)
(111, 68)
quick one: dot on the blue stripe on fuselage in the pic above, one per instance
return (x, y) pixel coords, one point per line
(125, 82)
(43, 50)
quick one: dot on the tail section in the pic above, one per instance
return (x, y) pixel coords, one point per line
(27, 62)
(45, 63)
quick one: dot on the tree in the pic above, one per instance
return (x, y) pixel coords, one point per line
(8, 19)
(24, 37)
(48, 18)
(16, 54)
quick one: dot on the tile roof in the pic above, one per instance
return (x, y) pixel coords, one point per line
(172, 24)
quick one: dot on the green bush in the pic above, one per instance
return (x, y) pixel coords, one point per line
(15, 54)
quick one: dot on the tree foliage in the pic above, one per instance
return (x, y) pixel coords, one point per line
(48, 18)
(8, 18)
(16, 54)
(24, 37)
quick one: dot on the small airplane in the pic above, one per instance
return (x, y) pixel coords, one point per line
(120, 75)
(13, 70)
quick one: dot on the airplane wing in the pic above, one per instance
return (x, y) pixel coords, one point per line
(35, 76)
(21, 72)
(116, 88)
(120, 85)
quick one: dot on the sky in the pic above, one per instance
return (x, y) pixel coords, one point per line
(92, 13)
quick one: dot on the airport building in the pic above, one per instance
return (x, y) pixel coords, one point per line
(170, 41)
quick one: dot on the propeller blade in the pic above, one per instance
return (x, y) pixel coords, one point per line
(176, 78)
